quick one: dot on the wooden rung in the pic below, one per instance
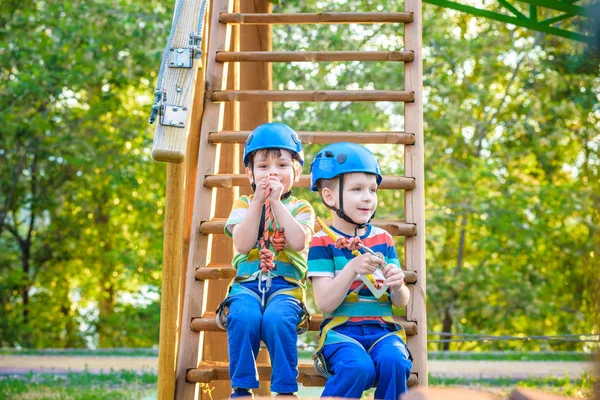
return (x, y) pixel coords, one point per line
(224, 271)
(312, 95)
(313, 56)
(209, 371)
(232, 180)
(216, 226)
(317, 18)
(208, 323)
(323, 137)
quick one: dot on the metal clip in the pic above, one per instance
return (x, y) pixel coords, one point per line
(160, 96)
(173, 116)
(264, 287)
(195, 43)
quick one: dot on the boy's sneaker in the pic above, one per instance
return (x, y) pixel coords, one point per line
(241, 393)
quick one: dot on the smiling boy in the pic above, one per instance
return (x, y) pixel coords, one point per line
(360, 343)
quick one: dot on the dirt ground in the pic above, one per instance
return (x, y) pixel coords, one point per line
(460, 368)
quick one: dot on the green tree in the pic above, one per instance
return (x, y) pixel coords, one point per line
(81, 197)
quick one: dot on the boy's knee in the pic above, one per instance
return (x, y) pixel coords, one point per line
(243, 314)
(361, 370)
(277, 321)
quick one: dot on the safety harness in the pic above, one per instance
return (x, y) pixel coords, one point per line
(354, 305)
(261, 266)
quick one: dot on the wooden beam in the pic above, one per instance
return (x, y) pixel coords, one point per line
(172, 259)
(314, 56)
(233, 180)
(312, 95)
(208, 323)
(307, 375)
(324, 137)
(318, 18)
(191, 344)
(179, 84)
(227, 272)
(414, 200)
(216, 226)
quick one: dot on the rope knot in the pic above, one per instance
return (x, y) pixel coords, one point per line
(277, 240)
(349, 243)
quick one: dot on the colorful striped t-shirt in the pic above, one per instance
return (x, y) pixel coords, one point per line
(325, 260)
(301, 210)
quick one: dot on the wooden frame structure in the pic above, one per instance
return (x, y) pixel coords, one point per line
(232, 95)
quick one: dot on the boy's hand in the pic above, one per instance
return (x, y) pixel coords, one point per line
(260, 193)
(365, 264)
(276, 187)
(394, 277)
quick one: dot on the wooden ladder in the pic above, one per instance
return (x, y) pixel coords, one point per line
(214, 179)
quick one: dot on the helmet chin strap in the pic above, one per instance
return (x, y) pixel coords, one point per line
(340, 211)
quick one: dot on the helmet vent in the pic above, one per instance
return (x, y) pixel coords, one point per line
(328, 154)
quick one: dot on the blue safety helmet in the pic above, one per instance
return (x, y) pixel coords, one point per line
(273, 135)
(342, 158)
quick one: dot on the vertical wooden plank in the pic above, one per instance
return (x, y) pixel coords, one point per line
(215, 343)
(169, 302)
(192, 160)
(414, 166)
(191, 349)
(179, 205)
(179, 84)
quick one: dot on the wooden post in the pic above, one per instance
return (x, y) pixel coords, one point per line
(215, 343)
(414, 166)
(192, 161)
(179, 85)
(172, 252)
(169, 145)
(191, 348)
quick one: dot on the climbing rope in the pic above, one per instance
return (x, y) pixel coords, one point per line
(277, 240)
(353, 244)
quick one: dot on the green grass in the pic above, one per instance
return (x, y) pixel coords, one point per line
(118, 385)
(123, 385)
(129, 352)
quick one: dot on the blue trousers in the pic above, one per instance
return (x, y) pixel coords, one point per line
(354, 370)
(248, 322)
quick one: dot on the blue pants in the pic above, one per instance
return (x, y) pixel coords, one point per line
(354, 370)
(248, 322)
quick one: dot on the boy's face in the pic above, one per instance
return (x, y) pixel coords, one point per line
(284, 167)
(360, 196)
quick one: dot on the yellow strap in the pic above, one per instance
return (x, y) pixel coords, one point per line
(336, 321)
(401, 332)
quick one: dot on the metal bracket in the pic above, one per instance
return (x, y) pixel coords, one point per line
(195, 42)
(174, 116)
(181, 57)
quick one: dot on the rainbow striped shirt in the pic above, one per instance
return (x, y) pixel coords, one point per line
(301, 210)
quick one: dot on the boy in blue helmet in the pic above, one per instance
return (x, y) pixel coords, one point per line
(271, 230)
(360, 343)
